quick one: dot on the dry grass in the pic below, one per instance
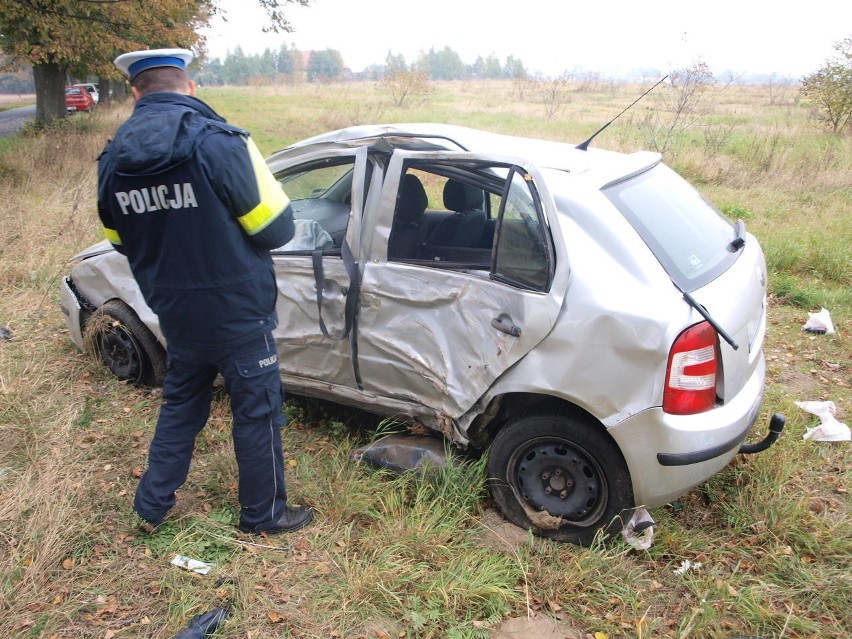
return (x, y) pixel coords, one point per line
(393, 556)
(14, 100)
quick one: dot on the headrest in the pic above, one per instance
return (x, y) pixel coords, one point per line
(136, 62)
(459, 196)
(412, 199)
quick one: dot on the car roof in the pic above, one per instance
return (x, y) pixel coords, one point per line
(435, 136)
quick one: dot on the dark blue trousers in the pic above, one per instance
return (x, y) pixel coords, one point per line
(253, 381)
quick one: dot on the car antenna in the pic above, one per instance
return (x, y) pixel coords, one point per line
(583, 146)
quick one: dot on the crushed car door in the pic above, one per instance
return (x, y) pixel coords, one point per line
(316, 270)
(438, 324)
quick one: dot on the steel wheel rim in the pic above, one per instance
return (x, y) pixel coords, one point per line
(121, 354)
(555, 475)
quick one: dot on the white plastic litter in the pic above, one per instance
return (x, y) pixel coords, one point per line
(819, 323)
(201, 567)
(639, 531)
(686, 565)
(829, 430)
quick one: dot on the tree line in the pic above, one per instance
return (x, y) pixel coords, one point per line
(287, 63)
(64, 39)
(240, 68)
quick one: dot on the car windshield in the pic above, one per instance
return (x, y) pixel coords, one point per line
(686, 233)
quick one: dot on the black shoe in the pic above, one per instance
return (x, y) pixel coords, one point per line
(292, 520)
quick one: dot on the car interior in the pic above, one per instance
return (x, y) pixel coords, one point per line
(446, 216)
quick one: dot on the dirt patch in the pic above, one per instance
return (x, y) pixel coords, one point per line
(535, 628)
(499, 534)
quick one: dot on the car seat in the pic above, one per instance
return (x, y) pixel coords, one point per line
(464, 227)
(409, 224)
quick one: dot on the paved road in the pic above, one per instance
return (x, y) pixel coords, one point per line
(12, 120)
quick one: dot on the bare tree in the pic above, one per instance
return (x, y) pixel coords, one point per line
(519, 76)
(679, 106)
(553, 93)
(778, 89)
(588, 81)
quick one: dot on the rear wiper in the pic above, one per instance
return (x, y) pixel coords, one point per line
(739, 241)
(706, 315)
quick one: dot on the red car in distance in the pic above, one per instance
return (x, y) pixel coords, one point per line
(78, 99)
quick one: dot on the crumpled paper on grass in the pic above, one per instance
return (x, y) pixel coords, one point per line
(187, 563)
(829, 430)
(639, 531)
(686, 565)
(819, 322)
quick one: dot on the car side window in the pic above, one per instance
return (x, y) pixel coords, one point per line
(521, 250)
(472, 217)
(320, 195)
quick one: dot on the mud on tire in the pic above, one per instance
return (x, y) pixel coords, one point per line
(116, 336)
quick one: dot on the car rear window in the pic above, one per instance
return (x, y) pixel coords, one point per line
(686, 233)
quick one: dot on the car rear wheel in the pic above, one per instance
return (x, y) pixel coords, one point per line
(560, 477)
(125, 345)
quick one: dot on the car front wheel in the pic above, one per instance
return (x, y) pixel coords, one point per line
(125, 345)
(560, 477)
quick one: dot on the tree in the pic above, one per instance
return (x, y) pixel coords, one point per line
(82, 37)
(325, 65)
(285, 60)
(406, 85)
(830, 88)
(492, 70)
(235, 68)
(515, 71)
(477, 69)
(268, 64)
(442, 65)
(212, 73)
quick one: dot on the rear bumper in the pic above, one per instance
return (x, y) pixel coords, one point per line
(669, 454)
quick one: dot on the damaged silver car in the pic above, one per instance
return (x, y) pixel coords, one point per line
(585, 315)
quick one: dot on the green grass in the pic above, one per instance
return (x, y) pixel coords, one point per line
(409, 556)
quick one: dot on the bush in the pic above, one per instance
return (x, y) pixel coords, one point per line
(830, 89)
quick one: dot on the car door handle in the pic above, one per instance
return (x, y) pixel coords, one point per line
(504, 323)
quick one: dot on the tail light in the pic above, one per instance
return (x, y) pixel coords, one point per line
(691, 372)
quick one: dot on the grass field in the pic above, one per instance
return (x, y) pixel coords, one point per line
(15, 100)
(401, 557)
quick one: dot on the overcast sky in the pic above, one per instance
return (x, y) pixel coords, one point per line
(552, 36)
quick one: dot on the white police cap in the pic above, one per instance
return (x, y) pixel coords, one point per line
(137, 61)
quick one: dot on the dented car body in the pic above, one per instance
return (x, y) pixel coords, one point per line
(585, 314)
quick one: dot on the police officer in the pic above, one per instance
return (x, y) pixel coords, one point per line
(190, 201)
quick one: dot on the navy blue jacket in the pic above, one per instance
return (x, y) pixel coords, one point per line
(191, 203)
